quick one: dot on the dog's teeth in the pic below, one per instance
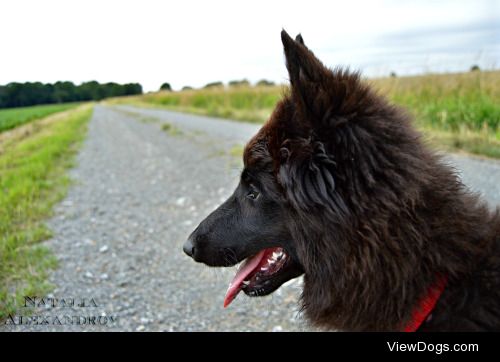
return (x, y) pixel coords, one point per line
(264, 268)
(278, 255)
(245, 282)
(270, 261)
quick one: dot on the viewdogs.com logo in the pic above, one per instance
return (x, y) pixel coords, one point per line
(70, 309)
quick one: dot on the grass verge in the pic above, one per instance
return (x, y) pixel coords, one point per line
(32, 179)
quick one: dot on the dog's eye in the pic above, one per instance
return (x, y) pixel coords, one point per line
(253, 194)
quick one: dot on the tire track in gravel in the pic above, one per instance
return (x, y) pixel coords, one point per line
(138, 192)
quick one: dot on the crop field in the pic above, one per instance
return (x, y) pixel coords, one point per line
(13, 117)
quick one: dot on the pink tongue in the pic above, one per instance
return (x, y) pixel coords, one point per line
(245, 269)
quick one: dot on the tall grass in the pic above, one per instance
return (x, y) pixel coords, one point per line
(456, 111)
(32, 180)
(449, 101)
(250, 104)
(13, 117)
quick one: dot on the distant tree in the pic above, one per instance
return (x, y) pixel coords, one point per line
(239, 83)
(186, 87)
(17, 94)
(132, 89)
(166, 87)
(214, 84)
(265, 83)
(89, 91)
(475, 68)
(65, 92)
(3, 96)
(106, 90)
(25, 94)
(393, 75)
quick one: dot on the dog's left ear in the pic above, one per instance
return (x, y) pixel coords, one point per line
(308, 78)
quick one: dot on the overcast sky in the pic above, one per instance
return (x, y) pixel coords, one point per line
(195, 42)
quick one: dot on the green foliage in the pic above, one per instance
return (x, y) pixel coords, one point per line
(13, 117)
(265, 83)
(32, 180)
(166, 87)
(27, 94)
(214, 84)
(239, 83)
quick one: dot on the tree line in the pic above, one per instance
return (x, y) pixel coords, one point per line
(233, 83)
(31, 93)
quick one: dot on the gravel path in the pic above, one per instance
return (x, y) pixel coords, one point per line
(139, 191)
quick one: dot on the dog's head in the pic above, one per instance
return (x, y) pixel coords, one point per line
(321, 180)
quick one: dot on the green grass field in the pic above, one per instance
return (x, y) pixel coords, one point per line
(455, 111)
(13, 117)
(32, 180)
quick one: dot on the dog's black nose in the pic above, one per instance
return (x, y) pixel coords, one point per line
(188, 247)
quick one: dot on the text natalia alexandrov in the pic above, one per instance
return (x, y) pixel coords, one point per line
(73, 317)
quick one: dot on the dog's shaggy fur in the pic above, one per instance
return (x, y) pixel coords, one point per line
(376, 217)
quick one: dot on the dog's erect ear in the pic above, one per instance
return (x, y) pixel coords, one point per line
(299, 39)
(302, 64)
(308, 77)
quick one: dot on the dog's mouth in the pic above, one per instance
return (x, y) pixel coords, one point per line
(262, 273)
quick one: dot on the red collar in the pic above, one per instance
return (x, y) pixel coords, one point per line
(426, 305)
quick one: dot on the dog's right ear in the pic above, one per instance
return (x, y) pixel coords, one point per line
(308, 78)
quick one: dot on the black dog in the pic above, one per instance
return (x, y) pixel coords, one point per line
(338, 186)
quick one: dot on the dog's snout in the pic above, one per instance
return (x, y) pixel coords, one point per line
(188, 247)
